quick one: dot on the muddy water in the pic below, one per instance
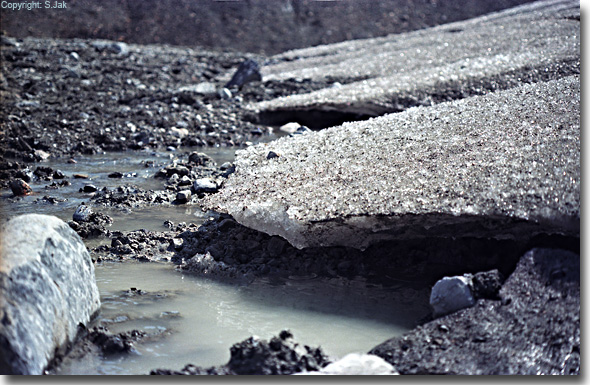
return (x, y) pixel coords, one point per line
(97, 168)
(198, 320)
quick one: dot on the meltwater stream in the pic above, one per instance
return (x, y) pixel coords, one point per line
(198, 319)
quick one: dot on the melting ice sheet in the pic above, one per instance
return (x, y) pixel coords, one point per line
(199, 319)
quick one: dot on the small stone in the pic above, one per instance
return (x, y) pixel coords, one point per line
(179, 132)
(290, 128)
(177, 243)
(224, 93)
(299, 131)
(20, 188)
(82, 213)
(80, 176)
(247, 72)
(200, 159)
(204, 185)
(58, 174)
(116, 174)
(451, 294)
(41, 155)
(487, 284)
(75, 56)
(272, 155)
(72, 161)
(185, 181)
(183, 196)
(89, 188)
(226, 166)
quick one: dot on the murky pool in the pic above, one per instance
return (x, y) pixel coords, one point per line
(97, 168)
(194, 319)
(198, 319)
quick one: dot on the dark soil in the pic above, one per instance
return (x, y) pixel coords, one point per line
(534, 328)
(279, 356)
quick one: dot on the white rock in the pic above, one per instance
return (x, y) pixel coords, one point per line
(48, 289)
(355, 364)
(204, 88)
(451, 294)
(224, 93)
(204, 185)
(290, 128)
(179, 132)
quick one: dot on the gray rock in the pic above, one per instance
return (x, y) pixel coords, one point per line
(224, 93)
(290, 128)
(204, 185)
(247, 72)
(201, 159)
(90, 188)
(183, 196)
(467, 167)
(451, 294)
(48, 289)
(82, 213)
(487, 284)
(116, 47)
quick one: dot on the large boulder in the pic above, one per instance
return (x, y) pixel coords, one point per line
(48, 289)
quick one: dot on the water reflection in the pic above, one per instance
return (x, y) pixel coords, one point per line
(197, 320)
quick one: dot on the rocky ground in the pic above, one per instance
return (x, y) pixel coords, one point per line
(69, 97)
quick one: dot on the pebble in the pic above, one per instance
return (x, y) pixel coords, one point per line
(82, 213)
(204, 185)
(41, 155)
(224, 93)
(183, 196)
(272, 155)
(177, 243)
(80, 176)
(185, 181)
(20, 188)
(451, 294)
(90, 188)
(58, 174)
(116, 174)
(299, 131)
(290, 128)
